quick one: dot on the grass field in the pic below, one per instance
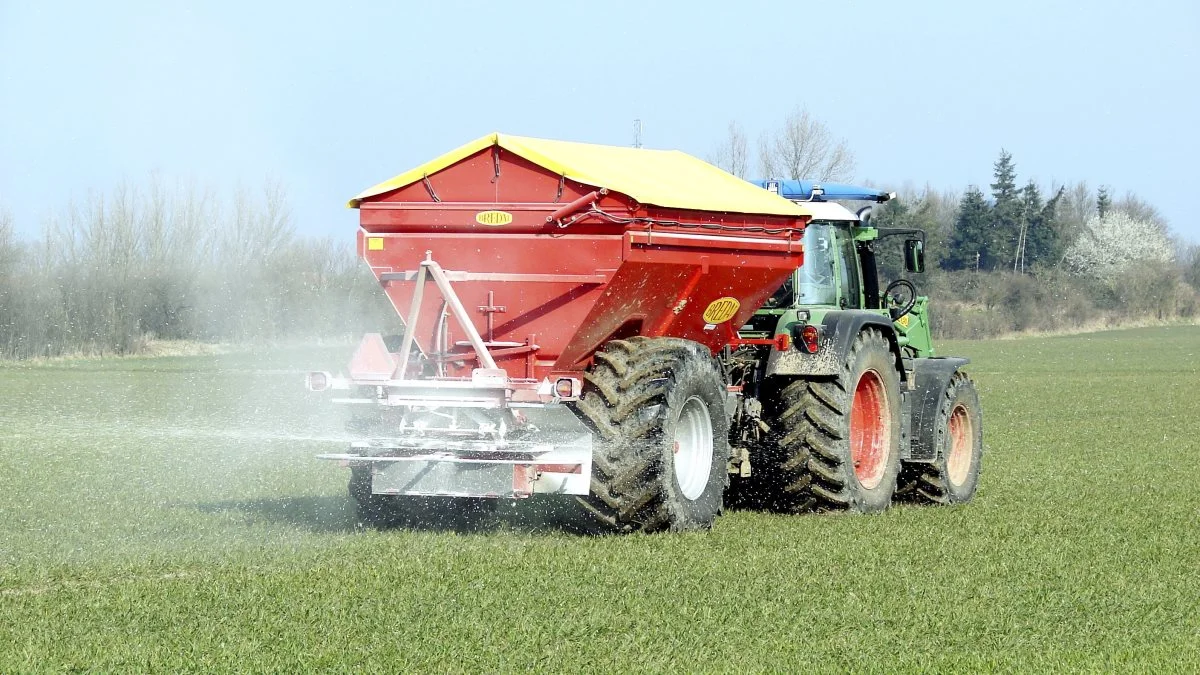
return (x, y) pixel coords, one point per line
(168, 514)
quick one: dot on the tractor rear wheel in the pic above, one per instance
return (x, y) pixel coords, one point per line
(837, 440)
(954, 476)
(660, 454)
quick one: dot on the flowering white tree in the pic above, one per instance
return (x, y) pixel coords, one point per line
(1108, 246)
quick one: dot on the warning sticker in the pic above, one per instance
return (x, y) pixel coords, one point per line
(721, 310)
(374, 243)
(903, 321)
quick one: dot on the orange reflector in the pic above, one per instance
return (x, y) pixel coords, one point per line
(783, 342)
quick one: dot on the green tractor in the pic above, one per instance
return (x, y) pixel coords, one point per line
(845, 405)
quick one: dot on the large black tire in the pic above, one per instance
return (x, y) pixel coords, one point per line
(640, 397)
(954, 477)
(810, 465)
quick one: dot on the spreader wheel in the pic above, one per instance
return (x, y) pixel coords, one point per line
(954, 476)
(836, 441)
(657, 407)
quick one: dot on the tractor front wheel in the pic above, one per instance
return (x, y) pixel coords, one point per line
(836, 441)
(954, 476)
(660, 455)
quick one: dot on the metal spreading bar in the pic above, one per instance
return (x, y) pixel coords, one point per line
(430, 268)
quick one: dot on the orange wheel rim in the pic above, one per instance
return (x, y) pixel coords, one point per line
(962, 438)
(870, 430)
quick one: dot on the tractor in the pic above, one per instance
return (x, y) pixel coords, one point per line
(861, 411)
(642, 337)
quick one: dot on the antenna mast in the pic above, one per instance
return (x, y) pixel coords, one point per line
(637, 133)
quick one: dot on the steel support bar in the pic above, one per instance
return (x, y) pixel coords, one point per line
(410, 326)
(456, 307)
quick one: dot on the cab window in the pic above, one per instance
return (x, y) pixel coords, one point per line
(849, 290)
(817, 277)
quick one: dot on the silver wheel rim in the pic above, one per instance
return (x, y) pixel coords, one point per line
(693, 448)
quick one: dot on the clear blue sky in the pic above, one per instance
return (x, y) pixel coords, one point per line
(329, 98)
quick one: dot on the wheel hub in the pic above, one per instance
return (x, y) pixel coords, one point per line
(693, 448)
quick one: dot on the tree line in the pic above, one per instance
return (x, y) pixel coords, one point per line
(1018, 257)
(1013, 260)
(116, 271)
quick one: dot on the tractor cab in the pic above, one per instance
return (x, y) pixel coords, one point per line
(840, 272)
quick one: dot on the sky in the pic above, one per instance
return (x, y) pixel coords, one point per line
(330, 98)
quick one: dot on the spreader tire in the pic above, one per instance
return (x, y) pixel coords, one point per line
(661, 446)
(954, 476)
(837, 440)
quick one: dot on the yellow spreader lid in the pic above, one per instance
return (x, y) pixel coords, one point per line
(665, 178)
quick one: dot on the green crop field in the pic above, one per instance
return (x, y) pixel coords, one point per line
(168, 515)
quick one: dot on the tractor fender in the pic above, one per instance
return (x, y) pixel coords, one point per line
(839, 328)
(931, 377)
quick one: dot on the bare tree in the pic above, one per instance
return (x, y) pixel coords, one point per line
(1190, 256)
(10, 302)
(258, 230)
(732, 154)
(804, 148)
(1140, 209)
(8, 244)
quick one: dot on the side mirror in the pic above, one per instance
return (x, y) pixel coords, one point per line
(914, 256)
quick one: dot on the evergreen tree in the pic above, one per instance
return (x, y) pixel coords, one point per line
(1031, 209)
(1005, 173)
(1103, 201)
(1043, 240)
(1007, 215)
(970, 242)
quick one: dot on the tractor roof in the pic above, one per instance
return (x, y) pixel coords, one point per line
(666, 178)
(830, 211)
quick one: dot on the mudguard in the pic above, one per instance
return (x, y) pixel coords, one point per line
(838, 330)
(931, 377)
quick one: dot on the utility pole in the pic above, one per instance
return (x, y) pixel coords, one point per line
(1019, 258)
(637, 133)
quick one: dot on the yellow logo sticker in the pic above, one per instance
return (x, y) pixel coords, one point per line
(374, 243)
(721, 310)
(493, 217)
(903, 321)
